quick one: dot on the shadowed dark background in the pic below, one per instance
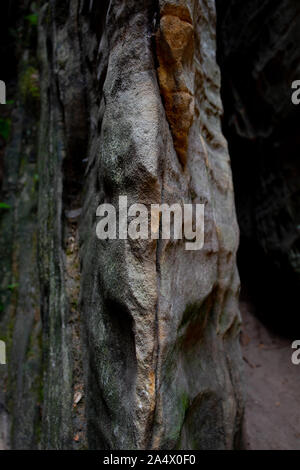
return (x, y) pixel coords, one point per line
(259, 56)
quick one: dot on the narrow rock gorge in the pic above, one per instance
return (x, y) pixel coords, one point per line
(135, 344)
(259, 58)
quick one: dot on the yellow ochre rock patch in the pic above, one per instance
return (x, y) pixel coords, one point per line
(175, 51)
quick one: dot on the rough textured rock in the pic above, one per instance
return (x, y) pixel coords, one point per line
(20, 325)
(61, 151)
(161, 324)
(140, 338)
(175, 53)
(259, 59)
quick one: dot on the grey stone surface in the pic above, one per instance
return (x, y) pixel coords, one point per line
(161, 324)
(20, 325)
(144, 332)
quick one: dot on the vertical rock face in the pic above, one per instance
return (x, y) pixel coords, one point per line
(161, 323)
(259, 58)
(20, 325)
(145, 332)
(62, 147)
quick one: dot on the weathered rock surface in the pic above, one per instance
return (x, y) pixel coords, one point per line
(161, 324)
(20, 325)
(175, 53)
(130, 105)
(259, 59)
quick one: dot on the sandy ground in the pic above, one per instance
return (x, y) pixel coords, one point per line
(272, 388)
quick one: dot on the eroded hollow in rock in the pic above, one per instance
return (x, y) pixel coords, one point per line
(258, 54)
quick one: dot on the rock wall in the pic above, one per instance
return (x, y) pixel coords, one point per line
(140, 338)
(161, 323)
(21, 392)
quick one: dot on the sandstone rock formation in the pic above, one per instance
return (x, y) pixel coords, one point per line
(20, 324)
(140, 338)
(175, 53)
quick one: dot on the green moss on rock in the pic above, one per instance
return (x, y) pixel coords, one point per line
(29, 85)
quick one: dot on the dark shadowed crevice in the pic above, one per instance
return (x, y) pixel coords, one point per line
(258, 55)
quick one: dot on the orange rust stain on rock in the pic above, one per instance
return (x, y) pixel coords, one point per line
(175, 52)
(152, 383)
(180, 11)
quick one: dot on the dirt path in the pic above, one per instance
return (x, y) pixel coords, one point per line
(272, 388)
